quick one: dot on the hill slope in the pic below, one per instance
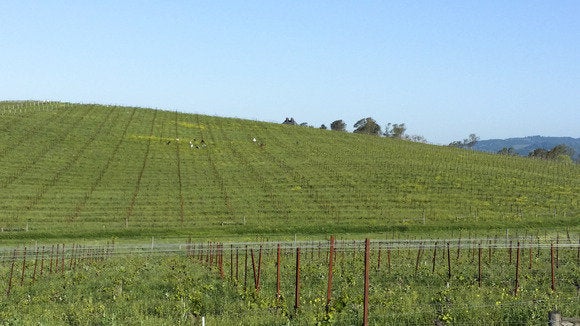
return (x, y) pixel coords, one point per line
(74, 170)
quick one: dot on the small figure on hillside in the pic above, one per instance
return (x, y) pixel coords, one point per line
(203, 143)
(254, 140)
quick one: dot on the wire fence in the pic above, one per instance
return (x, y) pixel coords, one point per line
(401, 258)
(182, 246)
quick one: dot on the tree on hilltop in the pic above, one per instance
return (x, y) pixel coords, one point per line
(417, 139)
(466, 143)
(367, 126)
(471, 141)
(559, 152)
(508, 151)
(338, 125)
(289, 121)
(395, 130)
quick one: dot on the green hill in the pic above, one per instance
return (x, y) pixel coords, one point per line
(71, 170)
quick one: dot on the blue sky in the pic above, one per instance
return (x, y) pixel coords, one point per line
(444, 68)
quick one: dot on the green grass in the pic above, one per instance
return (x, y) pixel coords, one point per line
(89, 174)
(177, 288)
(91, 171)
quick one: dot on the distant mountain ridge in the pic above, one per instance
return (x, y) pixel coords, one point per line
(524, 145)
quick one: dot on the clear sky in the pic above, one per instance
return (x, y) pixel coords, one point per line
(444, 68)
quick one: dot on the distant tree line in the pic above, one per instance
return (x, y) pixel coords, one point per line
(560, 152)
(368, 126)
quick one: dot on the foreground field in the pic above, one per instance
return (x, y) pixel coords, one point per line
(73, 171)
(412, 282)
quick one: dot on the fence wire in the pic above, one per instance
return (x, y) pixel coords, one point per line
(153, 247)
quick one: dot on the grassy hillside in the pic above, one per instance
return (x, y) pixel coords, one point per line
(71, 170)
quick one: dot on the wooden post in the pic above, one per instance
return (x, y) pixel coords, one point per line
(517, 285)
(278, 295)
(259, 269)
(330, 263)
(510, 251)
(254, 269)
(9, 288)
(489, 251)
(23, 267)
(479, 266)
(200, 253)
(552, 263)
(388, 258)
(210, 256)
(366, 283)
(418, 257)
(530, 254)
(56, 258)
(379, 258)
(71, 259)
(557, 250)
(220, 253)
(35, 264)
(42, 261)
(62, 261)
(448, 263)
(434, 256)
(578, 253)
(246, 270)
(297, 283)
(231, 262)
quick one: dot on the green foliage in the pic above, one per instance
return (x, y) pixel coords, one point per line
(159, 290)
(508, 151)
(396, 130)
(409, 284)
(466, 143)
(367, 126)
(338, 125)
(560, 153)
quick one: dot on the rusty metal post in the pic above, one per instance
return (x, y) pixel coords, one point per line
(366, 283)
(434, 256)
(278, 295)
(448, 262)
(330, 263)
(9, 288)
(517, 285)
(552, 263)
(23, 267)
(479, 266)
(297, 287)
